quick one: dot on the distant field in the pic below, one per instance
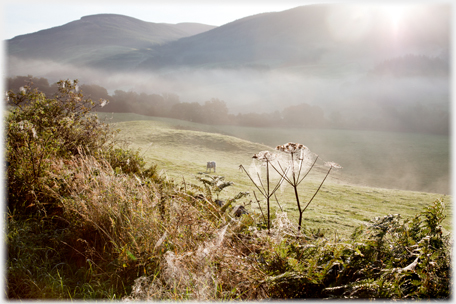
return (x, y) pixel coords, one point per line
(181, 153)
(407, 161)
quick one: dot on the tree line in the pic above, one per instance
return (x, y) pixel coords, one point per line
(417, 118)
(213, 111)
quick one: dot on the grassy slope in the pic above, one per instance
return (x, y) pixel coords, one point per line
(339, 206)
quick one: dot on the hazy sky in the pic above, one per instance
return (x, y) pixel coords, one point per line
(28, 16)
(23, 17)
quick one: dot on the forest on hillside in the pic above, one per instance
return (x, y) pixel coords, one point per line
(417, 117)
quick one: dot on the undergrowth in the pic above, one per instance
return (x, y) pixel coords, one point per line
(86, 219)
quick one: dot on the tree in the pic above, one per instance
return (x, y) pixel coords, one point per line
(215, 112)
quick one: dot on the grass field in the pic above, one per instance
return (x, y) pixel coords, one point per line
(181, 149)
(410, 161)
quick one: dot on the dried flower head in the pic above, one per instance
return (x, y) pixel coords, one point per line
(291, 147)
(333, 165)
(264, 156)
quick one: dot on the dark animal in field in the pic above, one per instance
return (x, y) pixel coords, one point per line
(211, 165)
(240, 210)
(219, 202)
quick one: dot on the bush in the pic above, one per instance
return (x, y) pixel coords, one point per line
(389, 258)
(43, 131)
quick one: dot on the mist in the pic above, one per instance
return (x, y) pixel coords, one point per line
(245, 90)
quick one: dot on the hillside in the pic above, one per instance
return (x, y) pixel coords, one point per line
(407, 161)
(97, 38)
(181, 153)
(303, 37)
(308, 39)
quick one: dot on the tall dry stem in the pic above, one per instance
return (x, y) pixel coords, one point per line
(267, 158)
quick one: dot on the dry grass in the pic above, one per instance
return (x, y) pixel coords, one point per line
(185, 248)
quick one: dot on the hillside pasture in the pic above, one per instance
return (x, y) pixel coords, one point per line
(406, 161)
(340, 205)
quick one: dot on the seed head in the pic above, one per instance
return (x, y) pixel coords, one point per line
(291, 147)
(264, 156)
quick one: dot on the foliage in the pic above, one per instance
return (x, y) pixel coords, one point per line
(41, 131)
(214, 184)
(389, 258)
(88, 220)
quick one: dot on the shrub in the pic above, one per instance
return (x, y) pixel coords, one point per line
(389, 258)
(41, 131)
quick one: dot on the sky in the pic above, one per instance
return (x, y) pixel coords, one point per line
(23, 17)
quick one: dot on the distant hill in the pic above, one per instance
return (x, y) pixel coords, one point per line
(305, 37)
(310, 38)
(192, 28)
(411, 65)
(93, 39)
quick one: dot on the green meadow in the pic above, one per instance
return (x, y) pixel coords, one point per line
(346, 199)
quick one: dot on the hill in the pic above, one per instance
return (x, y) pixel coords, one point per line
(308, 39)
(97, 38)
(304, 37)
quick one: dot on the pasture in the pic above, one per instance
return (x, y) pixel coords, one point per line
(182, 149)
(407, 161)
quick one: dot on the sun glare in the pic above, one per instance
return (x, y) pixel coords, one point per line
(395, 13)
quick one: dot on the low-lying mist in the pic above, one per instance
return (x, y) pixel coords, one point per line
(353, 95)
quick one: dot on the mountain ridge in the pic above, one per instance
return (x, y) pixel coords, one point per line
(305, 36)
(96, 36)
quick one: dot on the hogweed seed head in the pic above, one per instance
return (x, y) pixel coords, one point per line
(291, 147)
(264, 156)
